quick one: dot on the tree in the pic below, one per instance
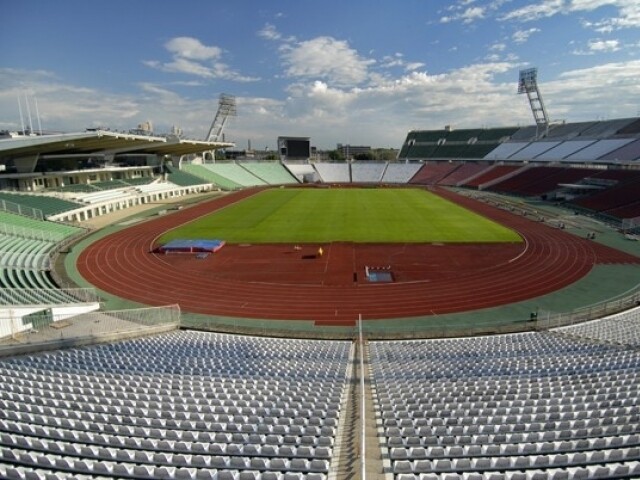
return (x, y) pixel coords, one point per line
(336, 155)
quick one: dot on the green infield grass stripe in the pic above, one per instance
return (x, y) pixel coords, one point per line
(298, 215)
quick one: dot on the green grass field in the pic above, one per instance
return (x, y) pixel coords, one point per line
(376, 215)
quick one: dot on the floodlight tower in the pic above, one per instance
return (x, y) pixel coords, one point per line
(226, 109)
(528, 84)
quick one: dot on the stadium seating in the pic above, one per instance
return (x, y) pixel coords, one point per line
(107, 195)
(533, 150)
(629, 152)
(564, 149)
(216, 406)
(622, 194)
(453, 144)
(138, 181)
(400, 172)
(632, 127)
(432, 172)
(182, 178)
(569, 130)
(534, 405)
(621, 329)
(36, 296)
(541, 180)
(273, 173)
(505, 150)
(609, 128)
(210, 176)
(25, 247)
(47, 204)
(599, 149)
(333, 172)
(110, 184)
(464, 172)
(492, 175)
(367, 172)
(420, 152)
(40, 228)
(235, 173)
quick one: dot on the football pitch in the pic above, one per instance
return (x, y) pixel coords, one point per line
(361, 215)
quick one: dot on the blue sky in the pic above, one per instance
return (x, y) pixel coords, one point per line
(362, 72)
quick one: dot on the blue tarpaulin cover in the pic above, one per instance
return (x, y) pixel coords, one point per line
(191, 246)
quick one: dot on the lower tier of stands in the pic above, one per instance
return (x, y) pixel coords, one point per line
(212, 406)
(562, 404)
(535, 405)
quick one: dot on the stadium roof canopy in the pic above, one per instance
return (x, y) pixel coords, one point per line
(103, 142)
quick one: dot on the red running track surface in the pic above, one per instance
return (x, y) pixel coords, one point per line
(285, 282)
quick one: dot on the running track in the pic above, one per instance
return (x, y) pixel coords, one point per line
(549, 260)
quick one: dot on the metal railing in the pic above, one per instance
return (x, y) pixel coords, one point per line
(35, 329)
(11, 207)
(31, 233)
(546, 319)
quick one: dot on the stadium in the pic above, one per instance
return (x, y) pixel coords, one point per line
(466, 311)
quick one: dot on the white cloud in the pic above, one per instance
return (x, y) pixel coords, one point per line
(377, 113)
(604, 45)
(192, 57)
(62, 107)
(466, 15)
(397, 60)
(628, 12)
(471, 14)
(521, 36)
(411, 66)
(599, 46)
(534, 11)
(192, 49)
(269, 32)
(325, 58)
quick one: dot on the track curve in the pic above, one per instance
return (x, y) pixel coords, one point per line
(547, 260)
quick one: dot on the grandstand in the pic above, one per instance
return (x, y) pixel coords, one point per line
(561, 404)
(400, 172)
(535, 405)
(367, 172)
(333, 172)
(272, 173)
(549, 403)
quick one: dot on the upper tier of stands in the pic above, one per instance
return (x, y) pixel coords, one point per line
(605, 151)
(573, 142)
(464, 143)
(47, 204)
